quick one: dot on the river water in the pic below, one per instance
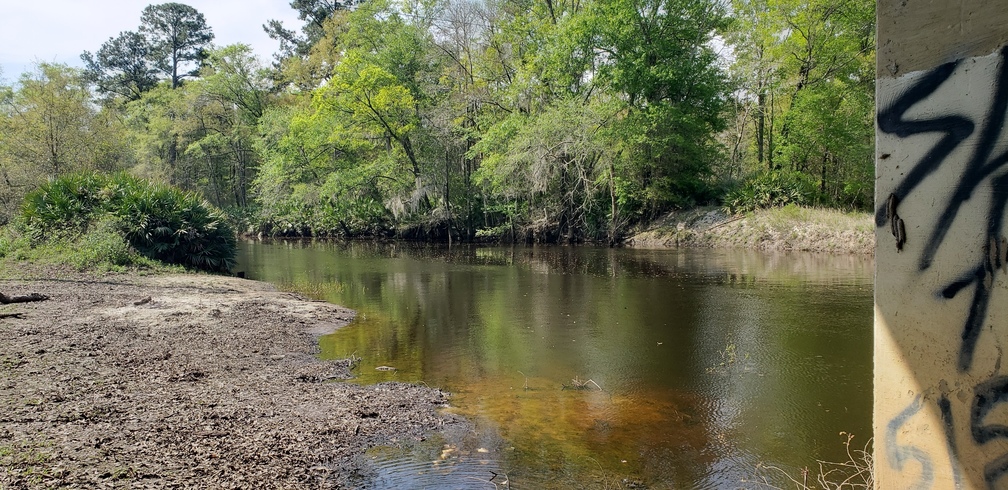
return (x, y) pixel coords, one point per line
(588, 367)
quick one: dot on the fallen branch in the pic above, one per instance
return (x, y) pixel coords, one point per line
(577, 384)
(22, 299)
(732, 220)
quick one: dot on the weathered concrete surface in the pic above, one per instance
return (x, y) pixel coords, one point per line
(941, 316)
(919, 34)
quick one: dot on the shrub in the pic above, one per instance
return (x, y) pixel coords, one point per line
(770, 189)
(159, 221)
(101, 247)
(102, 244)
(62, 206)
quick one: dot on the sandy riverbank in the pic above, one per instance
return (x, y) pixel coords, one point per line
(211, 383)
(790, 228)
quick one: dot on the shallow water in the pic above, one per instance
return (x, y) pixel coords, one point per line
(696, 368)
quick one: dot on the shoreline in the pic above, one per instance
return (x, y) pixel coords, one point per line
(785, 229)
(790, 228)
(189, 380)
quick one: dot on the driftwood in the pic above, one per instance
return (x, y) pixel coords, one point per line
(22, 299)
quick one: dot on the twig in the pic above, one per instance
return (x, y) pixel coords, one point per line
(725, 223)
(577, 384)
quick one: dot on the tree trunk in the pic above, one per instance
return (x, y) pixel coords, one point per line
(612, 207)
(822, 174)
(760, 126)
(447, 193)
(769, 136)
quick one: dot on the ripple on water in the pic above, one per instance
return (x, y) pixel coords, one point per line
(395, 470)
(462, 459)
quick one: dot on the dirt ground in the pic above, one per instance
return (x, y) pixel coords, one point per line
(188, 381)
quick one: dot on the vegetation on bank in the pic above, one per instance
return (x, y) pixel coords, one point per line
(462, 120)
(98, 221)
(787, 228)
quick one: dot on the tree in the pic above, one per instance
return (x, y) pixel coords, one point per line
(49, 126)
(635, 78)
(50, 115)
(314, 14)
(658, 55)
(121, 66)
(757, 71)
(178, 35)
(230, 99)
(556, 163)
(806, 73)
(157, 130)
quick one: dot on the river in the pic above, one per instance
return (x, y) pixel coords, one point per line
(602, 368)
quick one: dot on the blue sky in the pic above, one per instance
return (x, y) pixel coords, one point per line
(60, 30)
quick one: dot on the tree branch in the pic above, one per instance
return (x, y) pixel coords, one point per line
(22, 299)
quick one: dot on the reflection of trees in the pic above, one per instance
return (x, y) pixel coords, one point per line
(805, 337)
(645, 325)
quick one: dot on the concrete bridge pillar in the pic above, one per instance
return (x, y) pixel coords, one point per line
(941, 288)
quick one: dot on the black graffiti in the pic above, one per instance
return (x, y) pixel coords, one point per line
(945, 408)
(982, 167)
(988, 395)
(896, 225)
(892, 121)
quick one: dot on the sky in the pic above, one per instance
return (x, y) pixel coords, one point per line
(60, 30)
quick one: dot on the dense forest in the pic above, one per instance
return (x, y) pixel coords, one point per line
(544, 120)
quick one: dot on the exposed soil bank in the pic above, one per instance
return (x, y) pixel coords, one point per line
(787, 228)
(212, 383)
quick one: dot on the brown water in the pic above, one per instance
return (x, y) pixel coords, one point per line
(704, 366)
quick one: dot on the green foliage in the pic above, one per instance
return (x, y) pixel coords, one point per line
(170, 36)
(315, 14)
(64, 206)
(555, 162)
(103, 244)
(14, 244)
(178, 35)
(100, 248)
(771, 189)
(508, 119)
(202, 136)
(805, 85)
(50, 126)
(158, 221)
(121, 66)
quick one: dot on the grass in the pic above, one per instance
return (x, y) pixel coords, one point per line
(787, 217)
(788, 227)
(100, 249)
(27, 460)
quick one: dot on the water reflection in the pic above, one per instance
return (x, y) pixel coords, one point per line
(709, 362)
